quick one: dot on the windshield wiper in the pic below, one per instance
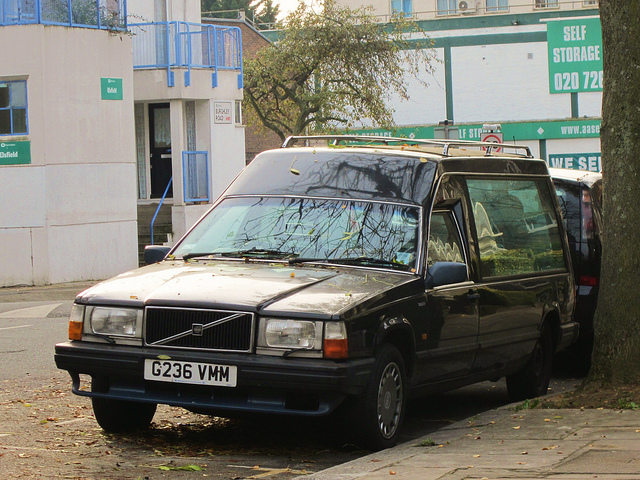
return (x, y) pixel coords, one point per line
(238, 253)
(378, 262)
(310, 260)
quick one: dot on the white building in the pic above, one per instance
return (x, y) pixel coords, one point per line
(76, 150)
(533, 67)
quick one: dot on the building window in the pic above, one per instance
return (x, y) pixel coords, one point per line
(13, 108)
(497, 5)
(589, 3)
(447, 7)
(402, 6)
(238, 112)
(545, 4)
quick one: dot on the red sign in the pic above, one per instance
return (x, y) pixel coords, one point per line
(493, 138)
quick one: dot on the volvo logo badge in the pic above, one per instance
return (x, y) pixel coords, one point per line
(197, 329)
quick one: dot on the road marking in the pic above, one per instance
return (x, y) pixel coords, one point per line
(17, 326)
(40, 311)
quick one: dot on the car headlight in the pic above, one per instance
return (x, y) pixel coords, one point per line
(121, 322)
(290, 334)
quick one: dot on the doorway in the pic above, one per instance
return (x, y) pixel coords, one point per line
(160, 149)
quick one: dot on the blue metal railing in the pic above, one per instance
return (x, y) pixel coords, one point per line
(101, 14)
(187, 45)
(195, 174)
(153, 220)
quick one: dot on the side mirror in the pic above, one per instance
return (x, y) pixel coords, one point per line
(446, 273)
(155, 253)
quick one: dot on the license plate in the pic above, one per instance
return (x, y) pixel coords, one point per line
(190, 372)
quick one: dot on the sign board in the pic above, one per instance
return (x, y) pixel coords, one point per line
(577, 161)
(511, 132)
(575, 55)
(493, 137)
(15, 153)
(111, 88)
(222, 112)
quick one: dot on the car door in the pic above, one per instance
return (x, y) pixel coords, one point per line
(452, 307)
(520, 255)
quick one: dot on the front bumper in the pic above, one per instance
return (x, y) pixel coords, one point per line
(265, 384)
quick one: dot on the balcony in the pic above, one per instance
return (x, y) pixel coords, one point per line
(100, 14)
(184, 45)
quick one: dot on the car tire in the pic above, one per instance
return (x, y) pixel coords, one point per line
(533, 380)
(120, 416)
(379, 412)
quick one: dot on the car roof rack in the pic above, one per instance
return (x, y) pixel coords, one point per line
(380, 140)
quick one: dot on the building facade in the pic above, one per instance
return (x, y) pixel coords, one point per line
(513, 71)
(101, 119)
(188, 113)
(67, 165)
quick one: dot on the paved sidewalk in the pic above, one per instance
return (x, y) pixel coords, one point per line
(565, 444)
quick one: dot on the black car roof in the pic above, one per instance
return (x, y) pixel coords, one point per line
(404, 172)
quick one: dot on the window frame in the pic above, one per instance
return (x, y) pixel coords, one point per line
(545, 4)
(486, 265)
(448, 10)
(406, 7)
(11, 108)
(500, 6)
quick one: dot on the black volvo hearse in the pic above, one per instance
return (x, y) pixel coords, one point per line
(348, 273)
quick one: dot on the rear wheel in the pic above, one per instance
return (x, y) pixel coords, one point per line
(380, 410)
(533, 380)
(120, 416)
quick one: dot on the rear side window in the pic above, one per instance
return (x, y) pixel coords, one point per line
(569, 200)
(517, 226)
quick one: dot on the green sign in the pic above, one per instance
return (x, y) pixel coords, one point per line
(15, 153)
(577, 161)
(511, 132)
(575, 55)
(111, 88)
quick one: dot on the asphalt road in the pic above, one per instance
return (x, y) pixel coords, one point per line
(28, 332)
(250, 448)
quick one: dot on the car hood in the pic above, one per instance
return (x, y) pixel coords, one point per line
(266, 288)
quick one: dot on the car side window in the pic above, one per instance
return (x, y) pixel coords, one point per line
(444, 239)
(517, 226)
(569, 200)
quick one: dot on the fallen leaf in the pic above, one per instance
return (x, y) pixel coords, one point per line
(392, 472)
(516, 428)
(524, 453)
(476, 456)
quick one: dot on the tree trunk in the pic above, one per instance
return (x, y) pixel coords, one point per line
(616, 356)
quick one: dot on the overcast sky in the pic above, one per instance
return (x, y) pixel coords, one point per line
(286, 6)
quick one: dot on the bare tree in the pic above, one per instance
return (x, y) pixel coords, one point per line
(334, 67)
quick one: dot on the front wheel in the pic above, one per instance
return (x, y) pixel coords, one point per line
(533, 380)
(379, 412)
(120, 416)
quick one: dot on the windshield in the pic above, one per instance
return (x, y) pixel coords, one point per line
(308, 229)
